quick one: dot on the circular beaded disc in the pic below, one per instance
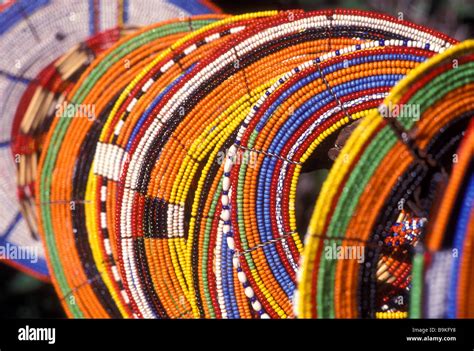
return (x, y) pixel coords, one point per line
(258, 199)
(391, 154)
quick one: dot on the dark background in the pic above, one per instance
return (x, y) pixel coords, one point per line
(24, 297)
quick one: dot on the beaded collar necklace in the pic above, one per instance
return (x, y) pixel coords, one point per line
(370, 168)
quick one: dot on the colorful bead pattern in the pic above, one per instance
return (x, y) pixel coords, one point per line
(394, 266)
(397, 158)
(34, 33)
(177, 198)
(93, 88)
(175, 217)
(151, 190)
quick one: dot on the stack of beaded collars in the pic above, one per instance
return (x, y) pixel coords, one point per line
(35, 33)
(397, 163)
(178, 201)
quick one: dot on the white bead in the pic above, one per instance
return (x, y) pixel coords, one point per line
(230, 242)
(227, 165)
(225, 201)
(249, 292)
(225, 215)
(242, 277)
(226, 183)
(226, 228)
(256, 305)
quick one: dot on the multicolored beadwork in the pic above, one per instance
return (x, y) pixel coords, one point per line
(36, 33)
(401, 158)
(176, 196)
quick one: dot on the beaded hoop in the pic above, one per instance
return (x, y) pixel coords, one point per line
(394, 157)
(287, 235)
(319, 116)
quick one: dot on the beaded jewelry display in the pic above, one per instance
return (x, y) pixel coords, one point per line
(399, 156)
(151, 202)
(176, 215)
(160, 165)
